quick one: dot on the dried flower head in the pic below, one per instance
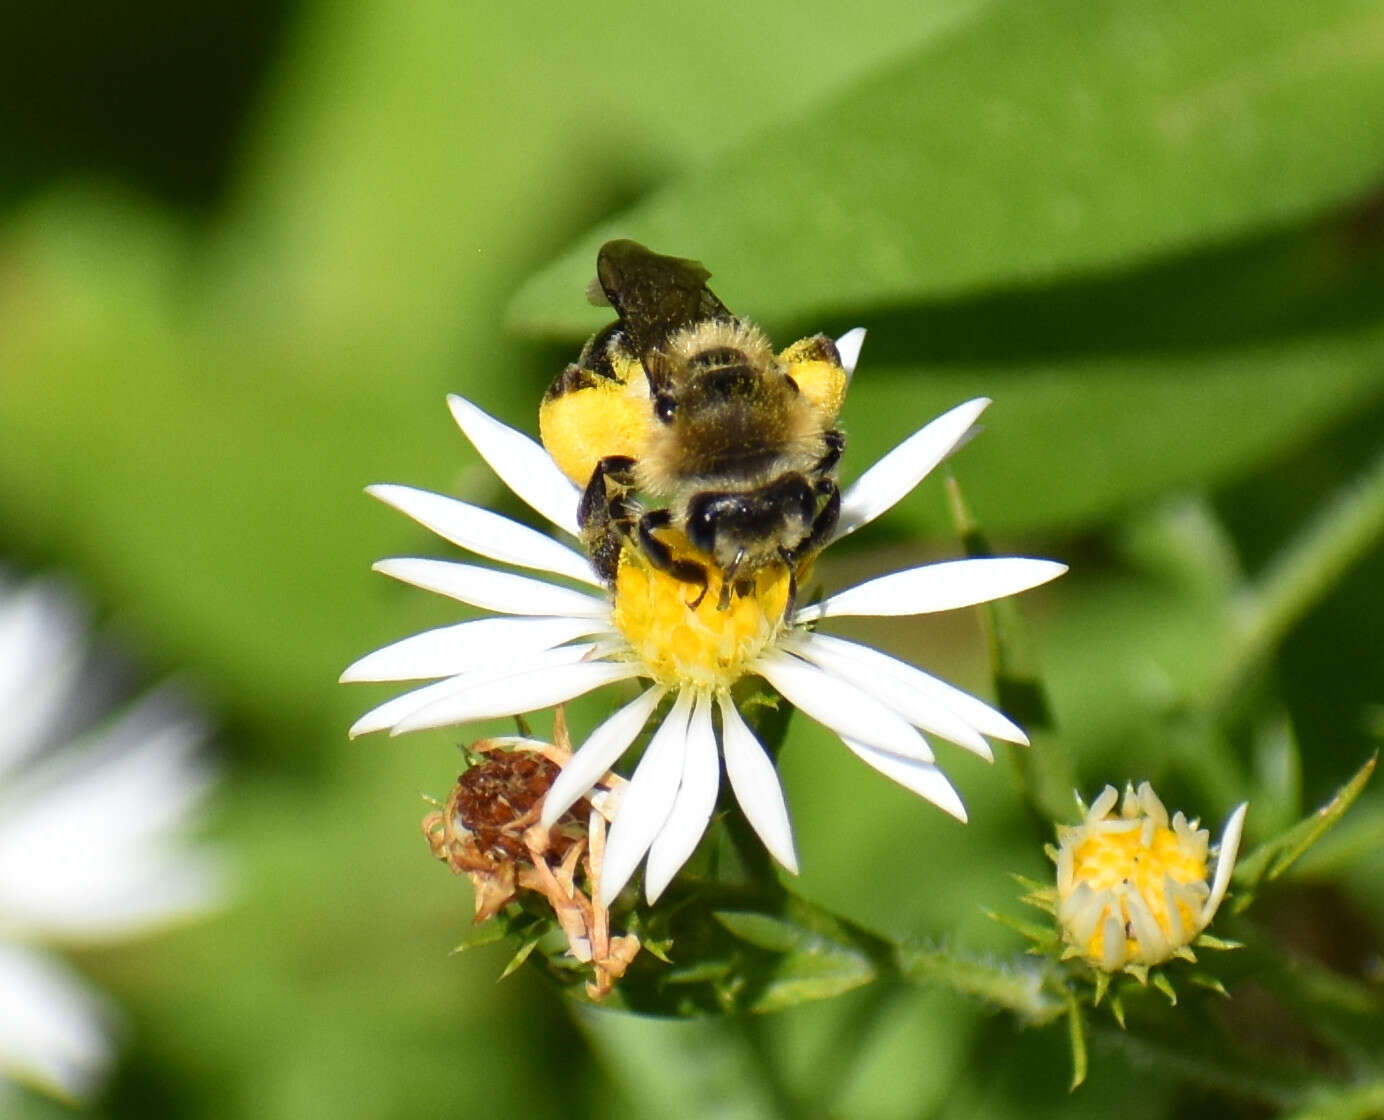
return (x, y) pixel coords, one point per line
(1133, 886)
(489, 830)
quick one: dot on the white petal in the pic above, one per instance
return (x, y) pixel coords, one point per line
(392, 712)
(602, 749)
(1114, 946)
(1153, 944)
(856, 664)
(755, 780)
(139, 781)
(521, 463)
(1225, 862)
(686, 823)
(848, 346)
(893, 478)
(522, 692)
(449, 650)
(985, 719)
(922, 778)
(936, 587)
(486, 533)
(51, 1025)
(647, 800)
(841, 706)
(41, 651)
(492, 590)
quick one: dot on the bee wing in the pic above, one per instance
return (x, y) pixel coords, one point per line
(655, 296)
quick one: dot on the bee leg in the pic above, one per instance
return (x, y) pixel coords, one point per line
(836, 444)
(824, 524)
(789, 556)
(661, 556)
(605, 512)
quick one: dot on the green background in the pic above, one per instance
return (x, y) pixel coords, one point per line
(245, 250)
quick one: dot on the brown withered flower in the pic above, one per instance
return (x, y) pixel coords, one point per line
(489, 830)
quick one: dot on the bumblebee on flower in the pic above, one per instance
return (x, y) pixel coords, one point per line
(684, 405)
(549, 642)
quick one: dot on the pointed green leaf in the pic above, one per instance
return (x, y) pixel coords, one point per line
(520, 956)
(1273, 857)
(487, 933)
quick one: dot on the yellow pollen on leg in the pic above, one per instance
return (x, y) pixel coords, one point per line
(703, 646)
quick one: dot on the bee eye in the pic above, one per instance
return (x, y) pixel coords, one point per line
(664, 407)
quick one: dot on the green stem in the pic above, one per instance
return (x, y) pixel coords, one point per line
(1043, 772)
(1019, 987)
(1351, 524)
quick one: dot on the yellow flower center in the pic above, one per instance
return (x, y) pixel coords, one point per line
(1131, 886)
(701, 646)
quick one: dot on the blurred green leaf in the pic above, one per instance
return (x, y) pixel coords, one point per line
(1017, 987)
(1036, 141)
(809, 964)
(1351, 1102)
(1068, 443)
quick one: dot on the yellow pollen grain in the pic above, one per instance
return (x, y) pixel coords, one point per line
(703, 647)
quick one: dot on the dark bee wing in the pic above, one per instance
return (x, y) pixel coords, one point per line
(655, 296)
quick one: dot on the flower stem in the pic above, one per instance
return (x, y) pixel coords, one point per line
(1044, 771)
(1350, 524)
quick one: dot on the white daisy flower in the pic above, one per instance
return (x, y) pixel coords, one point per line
(550, 643)
(88, 839)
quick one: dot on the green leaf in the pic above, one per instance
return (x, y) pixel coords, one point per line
(1037, 141)
(809, 963)
(487, 933)
(1273, 857)
(1017, 987)
(520, 956)
(1070, 442)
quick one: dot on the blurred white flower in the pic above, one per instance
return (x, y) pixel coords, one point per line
(553, 643)
(89, 844)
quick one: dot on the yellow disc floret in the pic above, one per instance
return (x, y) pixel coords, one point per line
(1132, 887)
(699, 646)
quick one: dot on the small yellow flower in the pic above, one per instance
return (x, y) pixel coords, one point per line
(1133, 887)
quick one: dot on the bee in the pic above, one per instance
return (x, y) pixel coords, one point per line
(680, 416)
